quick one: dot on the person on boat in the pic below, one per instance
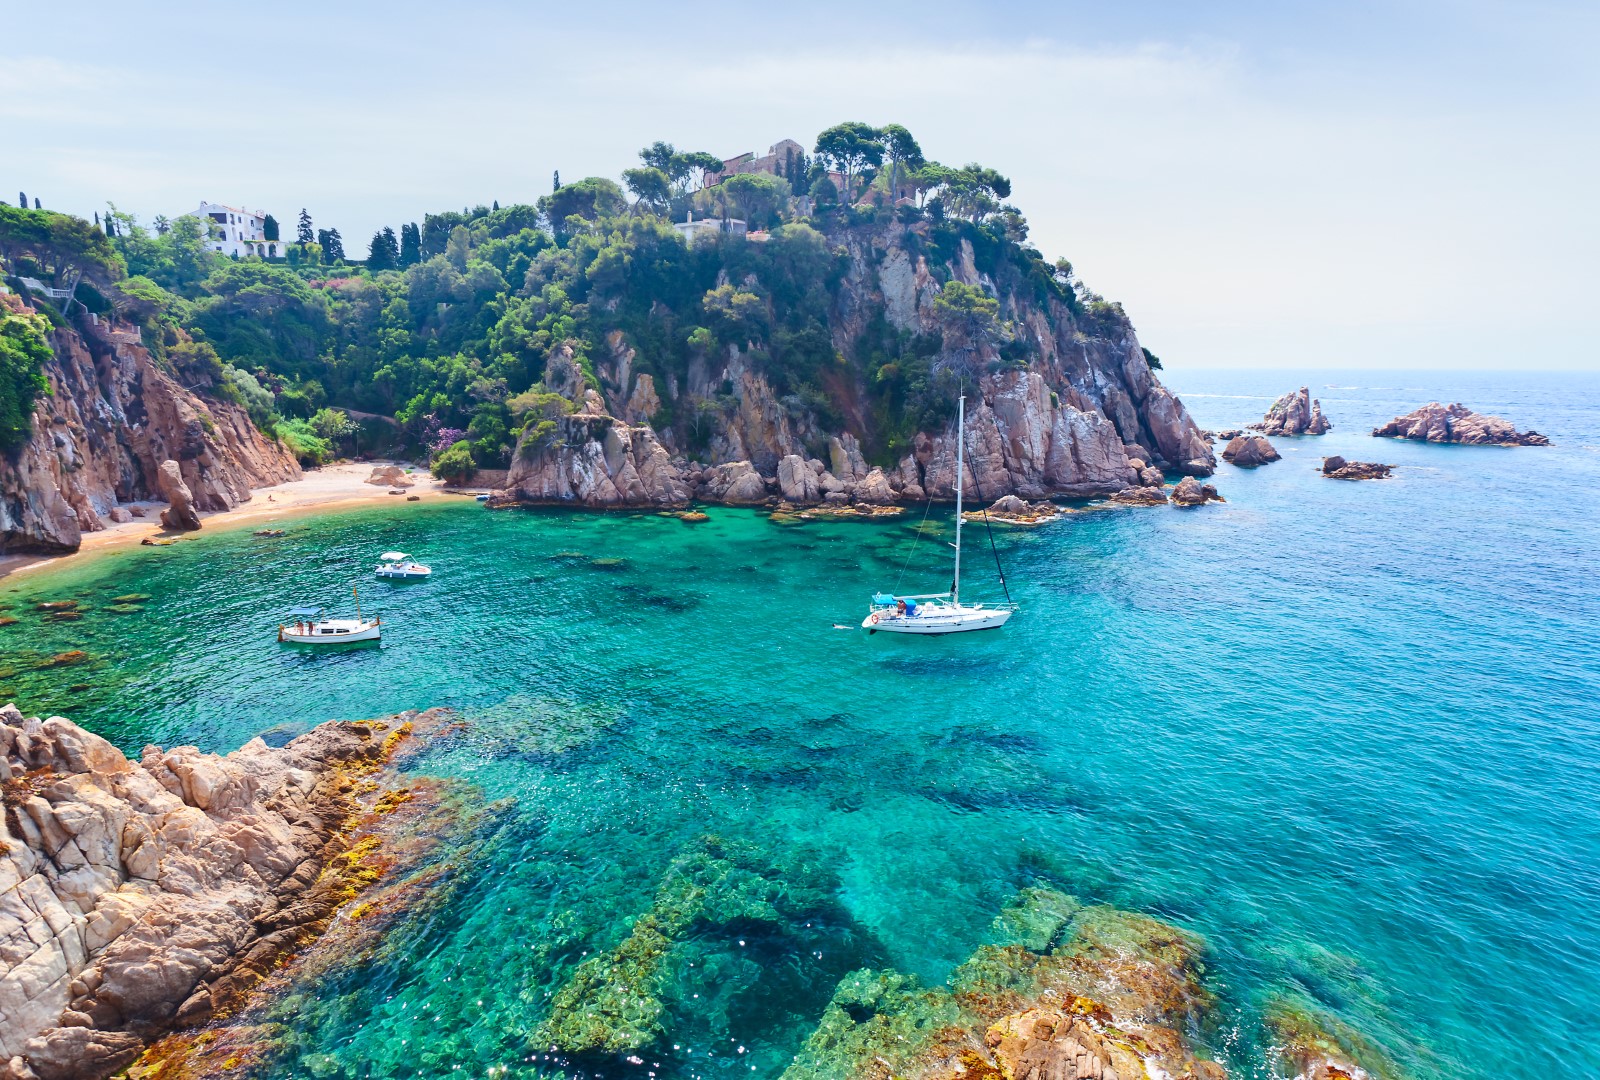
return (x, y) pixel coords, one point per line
(900, 608)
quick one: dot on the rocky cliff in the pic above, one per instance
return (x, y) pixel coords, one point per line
(99, 437)
(139, 896)
(1066, 408)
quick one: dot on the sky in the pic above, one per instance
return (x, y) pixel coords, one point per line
(1294, 186)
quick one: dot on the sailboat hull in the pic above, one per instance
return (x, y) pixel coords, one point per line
(953, 622)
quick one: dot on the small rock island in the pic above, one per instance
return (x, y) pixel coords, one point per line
(1456, 423)
(1295, 413)
(1249, 450)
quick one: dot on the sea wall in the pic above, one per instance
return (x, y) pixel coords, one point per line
(138, 896)
(100, 434)
(1081, 417)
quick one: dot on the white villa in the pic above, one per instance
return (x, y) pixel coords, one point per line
(239, 232)
(692, 229)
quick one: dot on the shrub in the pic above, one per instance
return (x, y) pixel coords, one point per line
(304, 443)
(455, 463)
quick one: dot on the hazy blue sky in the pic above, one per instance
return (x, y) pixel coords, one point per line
(1407, 184)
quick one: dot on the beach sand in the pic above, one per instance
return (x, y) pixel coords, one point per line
(340, 486)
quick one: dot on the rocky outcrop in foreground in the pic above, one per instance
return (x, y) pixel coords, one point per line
(1456, 423)
(140, 896)
(1064, 990)
(1248, 451)
(100, 436)
(1295, 413)
(1337, 468)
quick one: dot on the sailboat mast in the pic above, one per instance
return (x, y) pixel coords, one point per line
(961, 442)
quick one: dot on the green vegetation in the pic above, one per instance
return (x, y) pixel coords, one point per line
(473, 328)
(23, 352)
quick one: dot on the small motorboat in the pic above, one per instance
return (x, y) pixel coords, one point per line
(400, 566)
(312, 627)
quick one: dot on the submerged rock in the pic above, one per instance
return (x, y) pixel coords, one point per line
(1295, 413)
(1456, 423)
(146, 895)
(1248, 451)
(1062, 990)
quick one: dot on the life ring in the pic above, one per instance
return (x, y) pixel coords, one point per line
(875, 616)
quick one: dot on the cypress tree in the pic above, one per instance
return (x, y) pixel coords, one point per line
(36, 205)
(497, 205)
(22, 199)
(555, 181)
(410, 245)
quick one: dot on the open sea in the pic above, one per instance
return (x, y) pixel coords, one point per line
(1348, 732)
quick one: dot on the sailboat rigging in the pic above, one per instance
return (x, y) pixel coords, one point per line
(941, 613)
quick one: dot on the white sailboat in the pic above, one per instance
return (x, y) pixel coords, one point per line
(938, 613)
(312, 627)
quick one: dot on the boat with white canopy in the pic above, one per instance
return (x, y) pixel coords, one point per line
(400, 566)
(311, 626)
(939, 613)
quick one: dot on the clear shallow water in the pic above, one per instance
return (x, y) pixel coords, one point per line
(1346, 731)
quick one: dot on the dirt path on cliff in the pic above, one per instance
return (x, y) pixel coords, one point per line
(331, 488)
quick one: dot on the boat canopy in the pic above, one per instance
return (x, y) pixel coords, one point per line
(882, 598)
(302, 612)
(393, 556)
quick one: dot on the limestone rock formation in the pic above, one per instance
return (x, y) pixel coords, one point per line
(1337, 468)
(1295, 413)
(1059, 425)
(389, 476)
(797, 482)
(136, 896)
(1249, 450)
(180, 513)
(1191, 492)
(1457, 424)
(597, 460)
(98, 439)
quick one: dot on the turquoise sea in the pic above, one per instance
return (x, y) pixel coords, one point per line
(1349, 732)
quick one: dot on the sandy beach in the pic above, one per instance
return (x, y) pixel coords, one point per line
(340, 486)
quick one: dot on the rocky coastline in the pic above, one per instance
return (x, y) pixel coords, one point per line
(115, 428)
(1455, 423)
(137, 897)
(1081, 417)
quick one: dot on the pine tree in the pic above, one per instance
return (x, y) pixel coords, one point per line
(332, 245)
(303, 233)
(410, 245)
